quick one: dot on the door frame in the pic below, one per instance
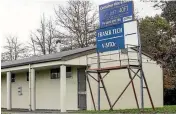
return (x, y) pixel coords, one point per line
(85, 93)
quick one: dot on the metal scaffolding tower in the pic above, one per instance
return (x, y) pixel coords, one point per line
(102, 72)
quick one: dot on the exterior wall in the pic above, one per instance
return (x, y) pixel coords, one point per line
(72, 91)
(116, 81)
(18, 101)
(47, 91)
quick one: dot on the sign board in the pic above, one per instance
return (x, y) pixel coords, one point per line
(117, 37)
(115, 12)
(110, 38)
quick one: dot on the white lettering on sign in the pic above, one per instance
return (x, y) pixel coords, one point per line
(110, 32)
(104, 33)
(106, 6)
(108, 44)
(116, 31)
(113, 4)
(123, 9)
(121, 2)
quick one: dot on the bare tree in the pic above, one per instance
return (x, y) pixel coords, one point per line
(78, 22)
(32, 44)
(4, 57)
(51, 37)
(43, 41)
(13, 50)
(38, 38)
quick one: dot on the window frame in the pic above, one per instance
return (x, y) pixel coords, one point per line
(13, 77)
(68, 72)
(55, 71)
(27, 76)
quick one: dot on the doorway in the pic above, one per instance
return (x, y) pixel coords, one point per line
(82, 103)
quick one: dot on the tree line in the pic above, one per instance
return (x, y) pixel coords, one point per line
(75, 27)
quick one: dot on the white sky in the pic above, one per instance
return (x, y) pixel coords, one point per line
(19, 17)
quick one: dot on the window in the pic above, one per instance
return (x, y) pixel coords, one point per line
(13, 77)
(68, 72)
(55, 73)
(27, 76)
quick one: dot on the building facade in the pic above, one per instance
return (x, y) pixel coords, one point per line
(58, 82)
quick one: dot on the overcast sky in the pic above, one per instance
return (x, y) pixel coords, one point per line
(19, 17)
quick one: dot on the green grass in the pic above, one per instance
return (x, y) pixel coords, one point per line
(165, 109)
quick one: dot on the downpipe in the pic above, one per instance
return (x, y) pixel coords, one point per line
(29, 87)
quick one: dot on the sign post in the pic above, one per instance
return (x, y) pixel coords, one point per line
(141, 73)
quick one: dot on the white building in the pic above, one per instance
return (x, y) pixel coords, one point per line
(58, 82)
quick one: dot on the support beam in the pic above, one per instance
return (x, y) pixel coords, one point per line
(98, 77)
(133, 89)
(106, 93)
(151, 101)
(63, 88)
(33, 90)
(140, 63)
(9, 91)
(93, 101)
(98, 92)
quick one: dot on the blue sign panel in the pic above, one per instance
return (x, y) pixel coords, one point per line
(110, 38)
(115, 12)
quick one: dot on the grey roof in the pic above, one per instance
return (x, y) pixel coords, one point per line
(65, 55)
(49, 57)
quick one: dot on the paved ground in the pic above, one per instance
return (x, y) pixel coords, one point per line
(23, 111)
(30, 112)
(36, 112)
(33, 113)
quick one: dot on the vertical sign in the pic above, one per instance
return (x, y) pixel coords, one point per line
(115, 12)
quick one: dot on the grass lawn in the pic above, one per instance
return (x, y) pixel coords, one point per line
(163, 110)
(166, 109)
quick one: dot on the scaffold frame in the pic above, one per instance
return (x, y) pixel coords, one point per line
(106, 70)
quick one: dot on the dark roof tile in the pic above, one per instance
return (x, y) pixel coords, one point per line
(44, 58)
